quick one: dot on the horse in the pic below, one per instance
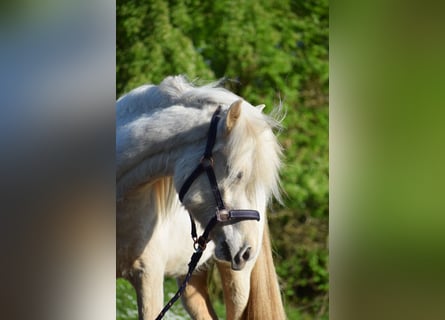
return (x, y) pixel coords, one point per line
(161, 135)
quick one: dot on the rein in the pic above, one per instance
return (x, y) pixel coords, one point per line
(221, 214)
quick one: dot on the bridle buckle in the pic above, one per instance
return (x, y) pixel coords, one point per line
(206, 162)
(222, 215)
(199, 244)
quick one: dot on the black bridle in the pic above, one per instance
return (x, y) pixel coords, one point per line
(221, 215)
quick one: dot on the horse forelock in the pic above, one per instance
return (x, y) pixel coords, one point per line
(253, 147)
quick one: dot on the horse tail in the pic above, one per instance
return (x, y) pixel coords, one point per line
(264, 298)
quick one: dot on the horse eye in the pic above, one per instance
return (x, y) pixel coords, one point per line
(239, 175)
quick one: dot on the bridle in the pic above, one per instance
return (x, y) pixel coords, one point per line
(206, 165)
(221, 214)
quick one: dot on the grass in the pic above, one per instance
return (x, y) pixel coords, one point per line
(126, 306)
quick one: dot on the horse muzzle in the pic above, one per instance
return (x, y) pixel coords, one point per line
(237, 258)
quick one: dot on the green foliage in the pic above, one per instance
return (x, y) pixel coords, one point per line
(273, 52)
(305, 174)
(150, 46)
(301, 261)
(269, 47)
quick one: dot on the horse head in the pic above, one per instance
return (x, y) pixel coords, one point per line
(245, 161)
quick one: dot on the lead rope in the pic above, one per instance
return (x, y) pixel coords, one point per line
(200, 245)
(192, 265)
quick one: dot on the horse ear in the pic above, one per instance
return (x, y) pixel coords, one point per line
(261, 107)
(233, 114)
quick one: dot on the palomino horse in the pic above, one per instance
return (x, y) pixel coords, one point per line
(161, 135)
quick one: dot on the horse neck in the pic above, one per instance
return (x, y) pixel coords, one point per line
(150, 147)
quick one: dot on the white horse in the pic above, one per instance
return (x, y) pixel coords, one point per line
(161, 134)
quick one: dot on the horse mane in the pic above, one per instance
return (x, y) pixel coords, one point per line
(164, 195)
(264, 297)
(253, 132)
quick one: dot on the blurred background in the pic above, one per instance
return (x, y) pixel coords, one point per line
(270, 52)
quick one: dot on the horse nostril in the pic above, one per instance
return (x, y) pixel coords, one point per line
(246, 254)
(240, 259)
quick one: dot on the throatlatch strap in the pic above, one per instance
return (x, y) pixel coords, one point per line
(188, 183)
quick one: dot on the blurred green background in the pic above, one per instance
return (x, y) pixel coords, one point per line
(272, 52)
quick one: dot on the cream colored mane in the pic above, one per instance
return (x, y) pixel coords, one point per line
(177, 106)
